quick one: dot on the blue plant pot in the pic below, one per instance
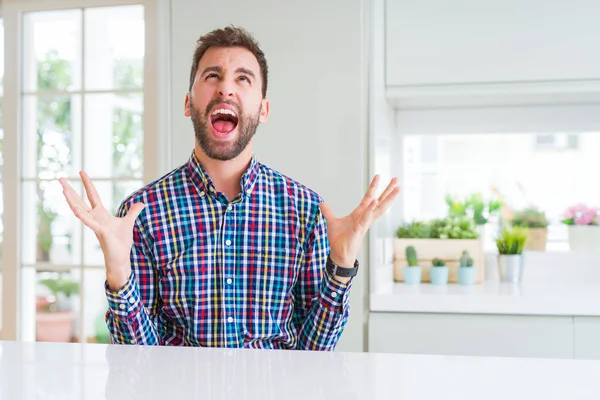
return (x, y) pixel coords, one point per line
(412, 275)
(439, 275)
(467, 275)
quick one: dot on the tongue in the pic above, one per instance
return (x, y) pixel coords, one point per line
(223, 126)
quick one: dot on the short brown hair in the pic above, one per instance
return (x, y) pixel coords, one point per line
(230, 36)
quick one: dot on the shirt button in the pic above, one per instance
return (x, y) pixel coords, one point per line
(229, 207)
(122, 306)
(230, 319)
(131, 300)
(132, 341)
(249, 191)
(334, 294)
(202, 194)
(229, 281)
(228, 242)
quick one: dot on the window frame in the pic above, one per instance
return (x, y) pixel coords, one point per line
(157, 153)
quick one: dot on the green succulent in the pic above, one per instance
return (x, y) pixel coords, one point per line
(436, 262)
(454, 228)
(411, 256)
(465, 259)
(414, 230)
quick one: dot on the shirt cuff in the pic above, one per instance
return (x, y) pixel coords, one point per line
(334, 294)
(125, 303)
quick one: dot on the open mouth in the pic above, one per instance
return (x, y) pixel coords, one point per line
(223, 120)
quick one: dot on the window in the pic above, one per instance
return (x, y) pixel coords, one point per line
(1, 152)
(83, 79)
(510, 165)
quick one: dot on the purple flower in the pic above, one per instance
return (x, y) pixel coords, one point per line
(581, 214)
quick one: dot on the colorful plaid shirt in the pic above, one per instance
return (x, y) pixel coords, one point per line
(249, 272)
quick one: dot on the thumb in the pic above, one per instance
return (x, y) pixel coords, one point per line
(326, 210)
(134, 211)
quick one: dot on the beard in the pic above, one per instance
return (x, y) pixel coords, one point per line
(246, 126)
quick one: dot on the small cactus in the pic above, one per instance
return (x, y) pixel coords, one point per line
(436, 262)
(466, 260)
(411, 256)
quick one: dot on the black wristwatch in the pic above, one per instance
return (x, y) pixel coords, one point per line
(336, 270)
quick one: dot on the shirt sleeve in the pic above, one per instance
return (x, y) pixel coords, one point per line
(322, 302)
(132, 310)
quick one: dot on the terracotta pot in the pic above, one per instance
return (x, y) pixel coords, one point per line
(54, 326)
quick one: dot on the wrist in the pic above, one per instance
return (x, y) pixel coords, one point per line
(117, 277)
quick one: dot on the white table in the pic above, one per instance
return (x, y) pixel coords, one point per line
(94, 371)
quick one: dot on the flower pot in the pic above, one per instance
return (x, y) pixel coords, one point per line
(54, 326)
(510, 267)
(412, 275)
(584, 237)
(467, 275)
(439, 275)
(536, 239)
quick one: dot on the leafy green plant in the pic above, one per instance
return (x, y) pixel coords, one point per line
(61, 287)
(437, 262)
(454, 228)
(465, 259)
(414, 230)
(411, 256)
(511, 240)
(474, 206)
(530, 218)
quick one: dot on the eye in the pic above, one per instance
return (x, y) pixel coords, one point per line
(211, 75)
(245, 78)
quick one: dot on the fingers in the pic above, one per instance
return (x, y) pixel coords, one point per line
(134, 212)
(87, 219)
(369, 196)
(386, 203)
(72, 197)
(90, 190)
(390, 187)
(366, 218)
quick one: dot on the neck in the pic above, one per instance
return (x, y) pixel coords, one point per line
(226, 175)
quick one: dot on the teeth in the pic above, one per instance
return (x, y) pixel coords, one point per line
(223, 111)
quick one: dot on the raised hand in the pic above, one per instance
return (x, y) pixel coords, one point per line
(346, 234)
(114, 234)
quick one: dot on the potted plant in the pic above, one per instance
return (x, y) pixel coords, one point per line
(439, 272)
(412, 271)
(466, 272)
(584, 227)
(537, 227)
(55, 317)
(442, 238)
(511, 244)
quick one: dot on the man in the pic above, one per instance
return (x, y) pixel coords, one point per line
(224, 251)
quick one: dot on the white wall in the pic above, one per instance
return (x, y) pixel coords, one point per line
(317, 130)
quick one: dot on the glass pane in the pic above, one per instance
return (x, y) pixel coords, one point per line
(50, 231)
(112, 194)
(114, 135)
(94, 306)
(550, 174)
(52, 50)
(114, 47)
(51, 136)
(49, 305)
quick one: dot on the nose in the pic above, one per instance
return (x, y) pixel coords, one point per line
(226, 88)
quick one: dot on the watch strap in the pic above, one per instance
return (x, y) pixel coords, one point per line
(336, 270)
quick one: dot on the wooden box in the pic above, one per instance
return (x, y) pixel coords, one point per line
(448, 250)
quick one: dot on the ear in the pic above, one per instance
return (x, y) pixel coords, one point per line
(264, 111)
(186, 109)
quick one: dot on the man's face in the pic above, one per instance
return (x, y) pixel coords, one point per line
(226, 103)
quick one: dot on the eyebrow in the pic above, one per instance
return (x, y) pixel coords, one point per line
(216, 68)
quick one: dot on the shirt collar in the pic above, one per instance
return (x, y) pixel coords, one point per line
(204, 183)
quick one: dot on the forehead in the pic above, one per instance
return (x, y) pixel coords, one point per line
(229, 58)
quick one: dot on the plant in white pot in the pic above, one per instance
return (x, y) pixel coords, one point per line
(438, 272)
(412, 271)
(584, 227)
(511, 244)
(55, 318)
(466, 273)
(537, 227)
